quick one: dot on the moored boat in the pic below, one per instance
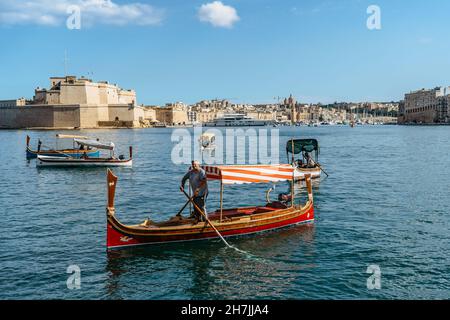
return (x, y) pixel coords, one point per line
(85, 160)
(307, 165)
(76, 152)
(237, 120)
(222, 222)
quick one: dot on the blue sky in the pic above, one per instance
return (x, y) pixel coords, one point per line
(320, 51)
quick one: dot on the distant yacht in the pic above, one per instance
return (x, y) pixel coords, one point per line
(237, 120)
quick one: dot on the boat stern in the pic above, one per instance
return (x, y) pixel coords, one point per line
(30, 154)
(114, 238)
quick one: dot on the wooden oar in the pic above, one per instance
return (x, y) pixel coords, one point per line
(206, 217)
(65, 155)
(185, 205)
(320, 167)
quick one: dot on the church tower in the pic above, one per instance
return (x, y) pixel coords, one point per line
(291, 104)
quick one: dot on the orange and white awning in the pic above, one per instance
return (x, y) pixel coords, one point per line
(250, 173)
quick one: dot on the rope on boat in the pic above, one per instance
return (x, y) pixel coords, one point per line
(210, 223)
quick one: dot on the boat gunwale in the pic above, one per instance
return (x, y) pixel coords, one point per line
(224, 226)
(308, 169)
(59, 151)
(80, 160)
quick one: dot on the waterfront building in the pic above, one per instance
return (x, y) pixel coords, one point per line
(70, 90)
(192, 116)
(303, 113)
(172, 114)
(425, 106)
(72, 102)
(150, 114)
(214, 104)
(207, 116)
(262, 115)
(13, 103)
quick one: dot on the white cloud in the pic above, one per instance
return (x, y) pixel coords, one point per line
(218, 14)
(54, 13)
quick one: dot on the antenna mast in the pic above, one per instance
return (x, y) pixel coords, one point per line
(65, 62)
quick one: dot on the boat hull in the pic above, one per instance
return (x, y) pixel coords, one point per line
(300, 173)
(120, 236)
(45, 161)
(32, 154)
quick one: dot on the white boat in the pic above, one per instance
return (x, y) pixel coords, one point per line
(301, 172)
(85, 160)
(237, 120)
(307, 165)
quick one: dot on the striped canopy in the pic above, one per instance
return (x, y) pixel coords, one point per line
(250, 173)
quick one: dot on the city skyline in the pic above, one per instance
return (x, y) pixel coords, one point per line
(246, 52)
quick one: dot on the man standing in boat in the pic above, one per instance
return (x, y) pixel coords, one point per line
(308, 159)
(199, 186)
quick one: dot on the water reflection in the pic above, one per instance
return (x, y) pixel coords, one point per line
(369, 210)
(209, 270)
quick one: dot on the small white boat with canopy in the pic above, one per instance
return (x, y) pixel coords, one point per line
(77, 150)
(85, 160)
(307, 165)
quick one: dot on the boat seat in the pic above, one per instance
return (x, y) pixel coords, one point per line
(276, 205)
(230, 213)
(243, 212)
(264, 209)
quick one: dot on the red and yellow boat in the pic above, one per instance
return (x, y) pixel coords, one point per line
(223, 222)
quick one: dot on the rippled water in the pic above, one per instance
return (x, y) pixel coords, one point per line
(385, 203)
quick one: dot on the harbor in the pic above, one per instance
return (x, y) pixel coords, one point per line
(72, 102)
(223, 158)
(379, 206)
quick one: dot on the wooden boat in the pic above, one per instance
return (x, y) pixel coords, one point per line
(76, 152)
(86, 161)
(302, 167)
(222, 222)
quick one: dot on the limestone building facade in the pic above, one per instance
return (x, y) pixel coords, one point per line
(426, 106)
(72, 102)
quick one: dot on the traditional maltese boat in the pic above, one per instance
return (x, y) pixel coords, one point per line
(85, 160)
(222, 222)
(307, 164)
(76, 152)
